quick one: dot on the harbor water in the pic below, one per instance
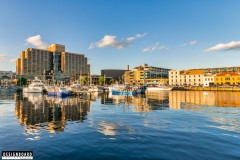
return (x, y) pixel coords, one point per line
(171, 125)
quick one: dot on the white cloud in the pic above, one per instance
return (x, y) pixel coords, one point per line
(2, 57)
(12, 60)
(140, 35)
(155, 47)
(111, 41)
(37, 42)
(191, 43)
(107, 40)
(5, 58)
(234, 45)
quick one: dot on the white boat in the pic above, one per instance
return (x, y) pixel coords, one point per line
(36, 86)
(95, 89)
(159, 88)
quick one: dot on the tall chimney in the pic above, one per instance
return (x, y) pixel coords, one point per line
(128, 67)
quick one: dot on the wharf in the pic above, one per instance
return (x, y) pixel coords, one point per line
(231, 89)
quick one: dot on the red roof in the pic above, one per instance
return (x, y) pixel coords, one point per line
(229, 73)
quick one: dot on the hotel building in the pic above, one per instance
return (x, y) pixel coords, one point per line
(54, 61)
(145, 74)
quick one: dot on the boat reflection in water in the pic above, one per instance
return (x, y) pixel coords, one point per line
(141, 103)
(38, 112)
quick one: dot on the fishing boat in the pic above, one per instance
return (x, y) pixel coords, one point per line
(37, 86)
(117, 92)
(140, 90)
(58, 91)
(7, 89)
(121, 90)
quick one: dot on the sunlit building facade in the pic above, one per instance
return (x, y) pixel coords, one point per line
(186, 78)
(145, 74)
(54, 61)
(227, 78)
(203, 77)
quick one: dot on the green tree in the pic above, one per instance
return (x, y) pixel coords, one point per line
(22, 81)
(101, 80)
(83, 80)
(112, 80)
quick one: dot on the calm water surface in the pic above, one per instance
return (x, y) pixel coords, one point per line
(167, 125)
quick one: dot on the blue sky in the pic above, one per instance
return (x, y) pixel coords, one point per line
(112, 34)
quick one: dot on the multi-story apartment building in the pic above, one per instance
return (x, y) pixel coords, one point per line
(187, 77)
(145, 74)
(54, 61)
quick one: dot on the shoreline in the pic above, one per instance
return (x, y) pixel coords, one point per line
(230, 89)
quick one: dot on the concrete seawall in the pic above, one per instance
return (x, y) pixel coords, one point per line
(232, 89)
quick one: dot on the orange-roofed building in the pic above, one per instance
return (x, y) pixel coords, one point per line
(227, 78)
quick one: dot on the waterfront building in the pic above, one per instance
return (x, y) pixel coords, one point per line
(186, 78)
(145, 74)
(95, 79)
(53, 63)
(227, 78)
(208, 80)
(116, 74)
(7, 77)
(200, 77)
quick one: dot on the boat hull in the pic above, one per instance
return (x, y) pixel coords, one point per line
(149, 89)
(116, 92)
(59, 94)
(27, 90)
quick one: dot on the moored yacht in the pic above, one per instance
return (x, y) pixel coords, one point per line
(37, 86)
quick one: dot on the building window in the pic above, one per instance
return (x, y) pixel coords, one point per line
(227, 78)
(199, 80)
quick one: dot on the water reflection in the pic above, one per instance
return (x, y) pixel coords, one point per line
(38, 112)
(204, 98)
(141, 103)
